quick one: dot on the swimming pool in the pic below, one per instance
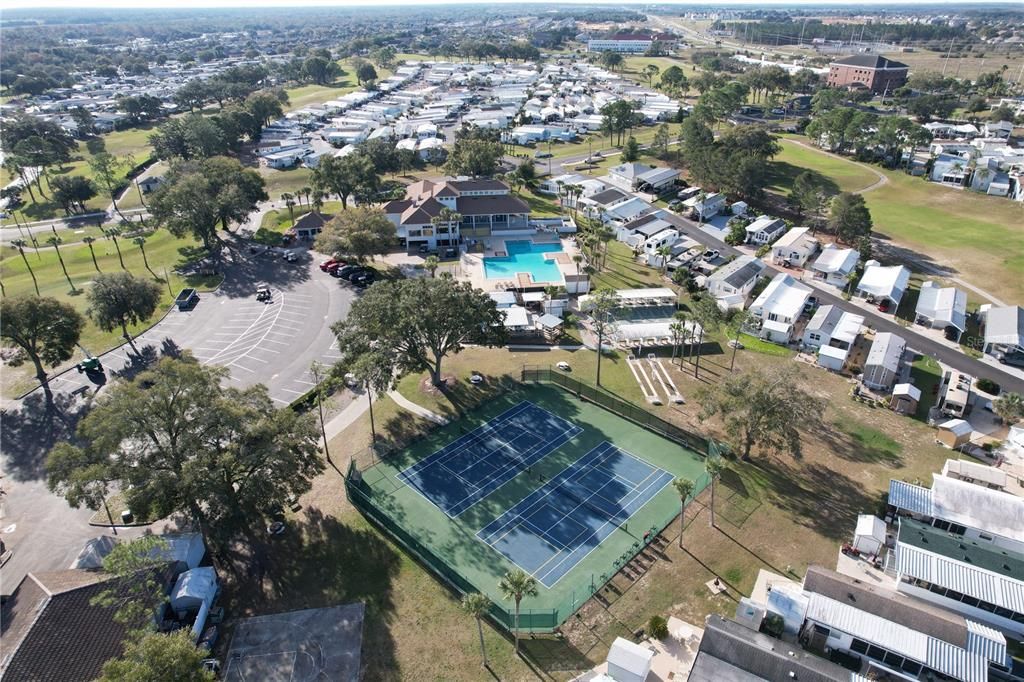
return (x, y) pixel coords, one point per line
(524, 256)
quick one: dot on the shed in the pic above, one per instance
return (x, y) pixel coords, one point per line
(954, 433)
(905, 398)
(869, 536)
(194, 588)
(629, 662)
(552, 326)
(832, 358)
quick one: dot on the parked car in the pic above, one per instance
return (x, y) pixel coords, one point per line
(347, 271)
(186, 299)
(291, 257)
(884, 305)
(711, 254)
(543, 155)
(779, 111)
(327, 264)
(366, 276)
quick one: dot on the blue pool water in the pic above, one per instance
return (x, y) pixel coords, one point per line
(524, 256)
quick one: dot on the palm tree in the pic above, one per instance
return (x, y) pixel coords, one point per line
(88, 242)
(714, 466)
(685, 334)
(305, 192)
(140, 241)
(707, 315)
(111, 233)
(701, 196)
(664, 252)
(1009, 407)
(430, 264)
(736, 322)
(318, 200)
(515, 585)
(684, 488)
(55, 243)
(677, 328)
(478, 606)
(20, 245)
(289, 200)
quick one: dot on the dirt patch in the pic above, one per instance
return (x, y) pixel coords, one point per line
(448, 382)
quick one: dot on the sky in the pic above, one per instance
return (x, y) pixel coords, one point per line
(241, 4)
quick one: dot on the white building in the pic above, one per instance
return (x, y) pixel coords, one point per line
(732, 283)
(884, 283)
(765, 230)
(779, 307)
(832, 331)
(884, 361)
(835, 265)
(795, 247)
(942, 307)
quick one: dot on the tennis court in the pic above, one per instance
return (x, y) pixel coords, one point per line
(555, 527)
(472, 467)
(536, 478)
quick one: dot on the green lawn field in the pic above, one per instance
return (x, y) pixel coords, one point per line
(975, 237)
(839, 174)
(164, 253)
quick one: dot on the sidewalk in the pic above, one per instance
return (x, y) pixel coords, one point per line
(416, 409)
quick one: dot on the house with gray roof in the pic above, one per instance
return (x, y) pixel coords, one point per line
(1004, 333)
(942, 307)
(732, 283)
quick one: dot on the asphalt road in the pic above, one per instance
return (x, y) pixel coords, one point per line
(272, 343)
(880, 322)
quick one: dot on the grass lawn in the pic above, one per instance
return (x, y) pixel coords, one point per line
(838, 174)
(134, 142)
(976, 237)
(541, 205)
(278, 182)
(756, 345)
(622, 271)
(926, 375)
(163, 251)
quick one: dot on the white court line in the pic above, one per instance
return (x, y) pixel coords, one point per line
(288, 390)
(234, 364)
(637, 490)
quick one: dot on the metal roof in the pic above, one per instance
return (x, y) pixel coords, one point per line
(909, 497)
(934, 653)
(987, 642)
(960, 576)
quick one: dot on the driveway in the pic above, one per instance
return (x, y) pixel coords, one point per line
(271, 343)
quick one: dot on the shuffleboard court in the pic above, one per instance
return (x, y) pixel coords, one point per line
(473, 466)
(551, 530)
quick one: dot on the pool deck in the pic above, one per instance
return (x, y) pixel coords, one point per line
(473, 263)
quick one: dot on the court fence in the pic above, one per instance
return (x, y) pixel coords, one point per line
(702, 445)
(530, 620)
(372, 503)
(362, 498)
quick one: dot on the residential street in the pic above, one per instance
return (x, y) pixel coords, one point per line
(883, 323)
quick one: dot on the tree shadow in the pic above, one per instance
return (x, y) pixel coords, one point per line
(858, 443)
(138, 361)
(320, 561)
(31, 431)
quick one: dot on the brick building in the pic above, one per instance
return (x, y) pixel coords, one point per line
(870, 71)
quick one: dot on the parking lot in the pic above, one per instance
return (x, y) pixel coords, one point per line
(273, 342)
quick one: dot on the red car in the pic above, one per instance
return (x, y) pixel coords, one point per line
(884, 306)
(326, 265)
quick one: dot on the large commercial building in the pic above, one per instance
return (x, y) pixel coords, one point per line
(877, 74)
(630, 43)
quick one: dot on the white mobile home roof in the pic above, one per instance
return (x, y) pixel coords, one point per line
(887, 281)
(1005, 326)
(836, 260)
(783, 296)
(946, 304)
(886, 351)
(961, 577)
(935, 653)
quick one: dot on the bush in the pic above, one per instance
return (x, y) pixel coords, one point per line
(773, 625)
(988, 386)
(657, 626)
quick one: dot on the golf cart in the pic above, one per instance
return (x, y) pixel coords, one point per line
(90, 366)
(263, 294)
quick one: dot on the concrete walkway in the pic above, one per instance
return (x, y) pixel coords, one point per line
(416, 409)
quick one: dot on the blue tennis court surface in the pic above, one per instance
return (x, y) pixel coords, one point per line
(472, 467)
(550, 531)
